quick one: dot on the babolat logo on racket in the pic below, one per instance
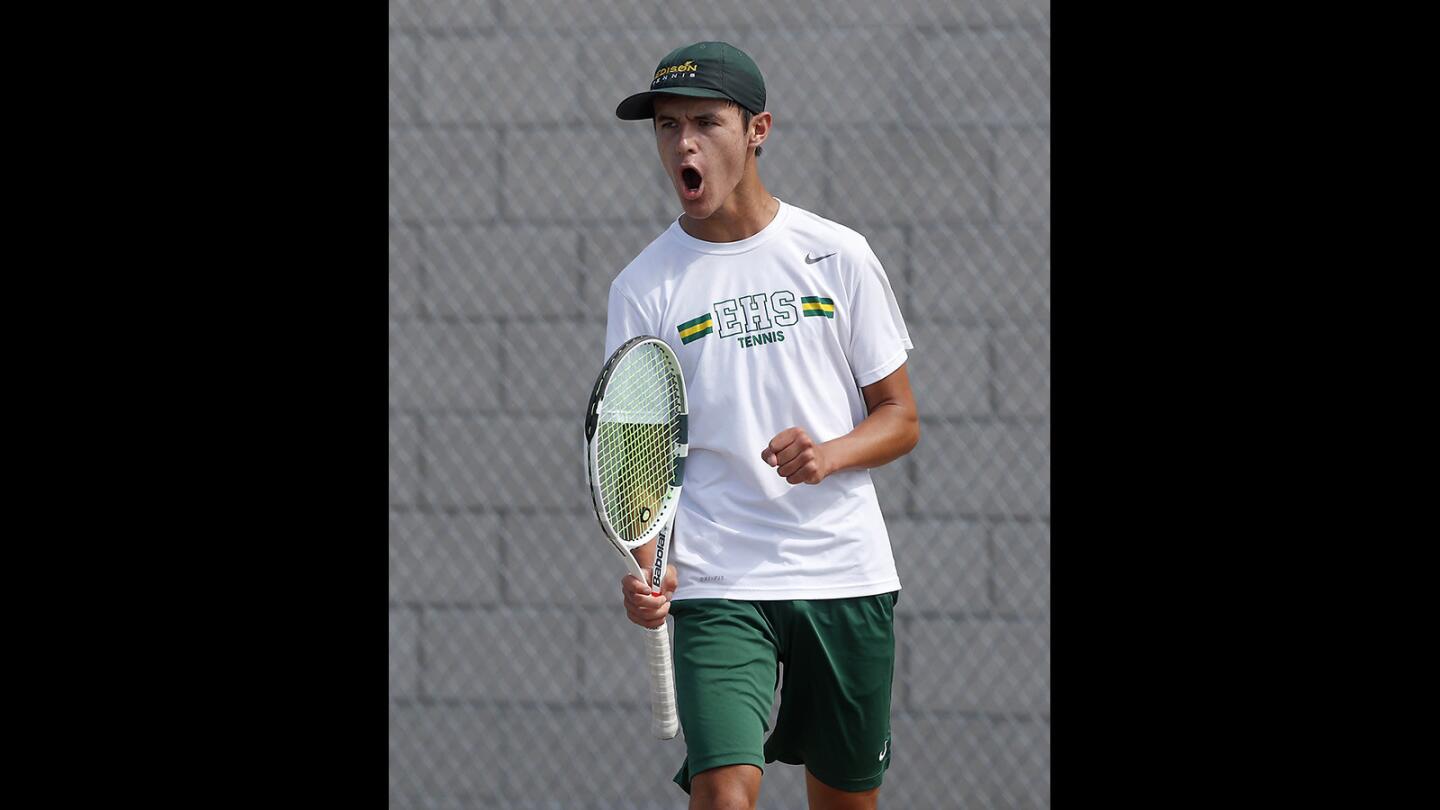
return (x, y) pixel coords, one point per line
(644, 514)
(657, 569)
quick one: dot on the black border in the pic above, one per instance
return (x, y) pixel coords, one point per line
(257, 652)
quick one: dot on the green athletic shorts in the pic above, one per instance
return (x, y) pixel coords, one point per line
(839, 661)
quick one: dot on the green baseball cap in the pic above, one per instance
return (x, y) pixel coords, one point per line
(702, 70)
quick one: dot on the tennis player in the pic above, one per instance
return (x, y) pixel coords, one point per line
(794, 351)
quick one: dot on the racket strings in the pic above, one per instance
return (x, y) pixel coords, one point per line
(637, 488)
(642, 440)
(637, 433)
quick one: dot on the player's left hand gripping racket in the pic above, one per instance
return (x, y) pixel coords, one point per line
(636, 440)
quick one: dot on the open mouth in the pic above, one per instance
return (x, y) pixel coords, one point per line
(693, 182)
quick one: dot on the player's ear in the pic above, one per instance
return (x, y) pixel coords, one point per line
(759, 129)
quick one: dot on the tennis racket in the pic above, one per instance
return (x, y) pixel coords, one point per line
(636, 441)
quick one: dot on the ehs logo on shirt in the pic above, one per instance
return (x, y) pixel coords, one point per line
(756, 320)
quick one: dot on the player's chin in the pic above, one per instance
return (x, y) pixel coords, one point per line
(697, 203)
(698, 207)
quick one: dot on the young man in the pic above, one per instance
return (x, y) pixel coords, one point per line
(794, 353)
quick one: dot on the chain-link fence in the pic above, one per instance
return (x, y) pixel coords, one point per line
(515, 198)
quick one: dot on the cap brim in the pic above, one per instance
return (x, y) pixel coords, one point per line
(642, 105)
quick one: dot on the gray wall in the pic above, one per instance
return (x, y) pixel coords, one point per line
(515, 196)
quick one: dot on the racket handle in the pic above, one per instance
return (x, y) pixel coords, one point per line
(664, 721)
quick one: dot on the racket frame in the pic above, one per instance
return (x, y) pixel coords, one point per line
(664, 720)
(670, 501)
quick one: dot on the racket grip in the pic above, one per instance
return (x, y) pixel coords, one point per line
(664, 721)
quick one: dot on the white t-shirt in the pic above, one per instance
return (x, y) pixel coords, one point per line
(775, 331)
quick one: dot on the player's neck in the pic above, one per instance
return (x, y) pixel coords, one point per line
(746, 212)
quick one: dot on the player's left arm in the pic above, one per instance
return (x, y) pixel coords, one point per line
(891, 430)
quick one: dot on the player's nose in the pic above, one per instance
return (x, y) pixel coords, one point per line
(687, 142)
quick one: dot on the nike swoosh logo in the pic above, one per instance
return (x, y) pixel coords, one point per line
(883, 750)
(809, 260)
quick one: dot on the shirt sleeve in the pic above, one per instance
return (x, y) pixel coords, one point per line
(878, 338)
(623, 321)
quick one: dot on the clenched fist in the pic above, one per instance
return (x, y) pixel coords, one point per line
(796, 457)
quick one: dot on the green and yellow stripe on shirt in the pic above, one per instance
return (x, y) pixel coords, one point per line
(696, 329)
(817, 306)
